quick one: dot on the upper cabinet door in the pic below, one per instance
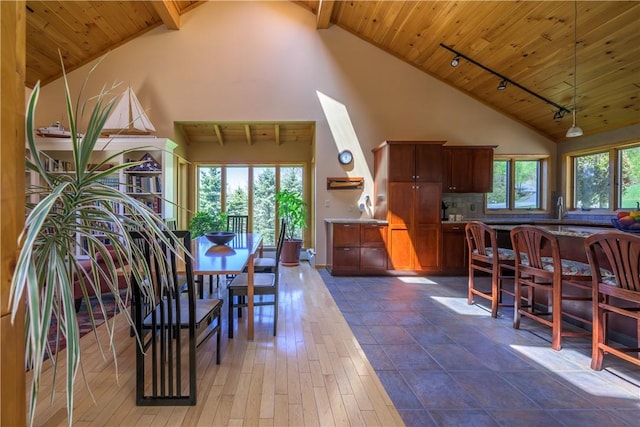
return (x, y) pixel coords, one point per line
(467, 170)
(457, 178)
(402, 160)
(428, 162)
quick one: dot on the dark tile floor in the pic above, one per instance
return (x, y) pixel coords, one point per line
(446, 363)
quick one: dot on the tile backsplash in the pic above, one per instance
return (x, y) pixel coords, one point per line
(472, 206)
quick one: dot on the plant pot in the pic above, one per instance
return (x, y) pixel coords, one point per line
(290, 255)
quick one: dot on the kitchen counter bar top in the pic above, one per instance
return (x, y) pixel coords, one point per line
(355, 221)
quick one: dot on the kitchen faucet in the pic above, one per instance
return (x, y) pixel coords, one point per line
(560, 205)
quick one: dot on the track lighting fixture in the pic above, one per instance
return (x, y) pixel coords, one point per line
(561, 111)
(575, 130)
(559, 114)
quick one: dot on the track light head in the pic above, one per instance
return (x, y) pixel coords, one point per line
(559, 114)
(455, 61)
(502, 85)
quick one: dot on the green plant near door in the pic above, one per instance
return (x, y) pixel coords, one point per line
(72, 206)
(293, 210)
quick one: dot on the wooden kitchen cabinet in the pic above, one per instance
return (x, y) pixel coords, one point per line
(467, 169)
(407, 180)
(356, 248)
(373, 248)
(346, 248)
(414, 226)
(455, 253)
(411, 162)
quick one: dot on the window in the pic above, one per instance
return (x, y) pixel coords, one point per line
(608, 179)
(249, 190)
(591, 176)
(517, 184)
(630, 177)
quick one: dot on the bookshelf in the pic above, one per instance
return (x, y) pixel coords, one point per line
(152, 182)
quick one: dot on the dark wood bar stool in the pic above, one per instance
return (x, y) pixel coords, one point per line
(539, 267)
(486, 256)
(615, 292)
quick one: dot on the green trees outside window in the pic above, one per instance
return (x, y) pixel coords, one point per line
(594, 173)
(517, 190)
(249, 190)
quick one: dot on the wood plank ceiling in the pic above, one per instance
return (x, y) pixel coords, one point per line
(530, 43)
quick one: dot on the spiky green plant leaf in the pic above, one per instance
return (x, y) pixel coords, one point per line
(72, 206)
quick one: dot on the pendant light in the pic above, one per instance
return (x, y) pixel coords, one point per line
(575, 130)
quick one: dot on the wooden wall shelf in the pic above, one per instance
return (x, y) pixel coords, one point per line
(343, 183)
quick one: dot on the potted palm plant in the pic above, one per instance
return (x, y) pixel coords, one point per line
(293, 211)
(69, 207)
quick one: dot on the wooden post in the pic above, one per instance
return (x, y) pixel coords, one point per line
(12, 200)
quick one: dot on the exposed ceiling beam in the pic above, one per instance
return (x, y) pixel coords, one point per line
(247, 131)
(277, 133)
(323, 20)
(218, 134)
(168, 12)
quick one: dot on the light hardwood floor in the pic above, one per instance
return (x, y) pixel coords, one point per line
(313, 373)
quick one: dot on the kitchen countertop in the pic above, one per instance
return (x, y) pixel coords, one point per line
(559, 229)
(517, 221)
(355, 221)
(565, 227)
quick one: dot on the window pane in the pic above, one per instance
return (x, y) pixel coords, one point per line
(237, 200)
(630, 177)
(264, 205)
(209, 189)
(291, 179)
(591, 174)
(498, 198)
(527, 184)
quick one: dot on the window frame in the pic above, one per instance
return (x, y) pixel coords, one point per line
(615, 170)
(543, 185)
(306, 193)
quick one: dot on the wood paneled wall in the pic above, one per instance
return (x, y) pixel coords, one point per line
(12, 200)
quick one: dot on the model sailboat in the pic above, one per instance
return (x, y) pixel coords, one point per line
(128, 117)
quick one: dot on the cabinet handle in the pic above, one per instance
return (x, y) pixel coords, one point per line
(346, 249)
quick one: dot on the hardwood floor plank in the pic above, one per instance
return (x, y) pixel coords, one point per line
(312, 373)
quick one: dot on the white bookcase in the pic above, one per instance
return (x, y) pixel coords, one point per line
(155, 186)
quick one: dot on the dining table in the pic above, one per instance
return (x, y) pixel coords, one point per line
(234, 257)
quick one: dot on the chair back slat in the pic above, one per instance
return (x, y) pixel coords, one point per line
(477, 234)
(622, 253)
(162, 274)
(238, 223)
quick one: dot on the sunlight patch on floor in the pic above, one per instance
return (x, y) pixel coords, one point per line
(419, 280)
(460, 306)
(551, 359)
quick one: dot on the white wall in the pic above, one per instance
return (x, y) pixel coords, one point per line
(264, 61)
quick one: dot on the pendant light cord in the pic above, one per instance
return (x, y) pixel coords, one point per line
(575, 60)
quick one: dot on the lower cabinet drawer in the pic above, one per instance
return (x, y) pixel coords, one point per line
(373, 258)
(346, 259)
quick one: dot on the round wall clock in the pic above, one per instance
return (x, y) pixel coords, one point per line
(345, 157)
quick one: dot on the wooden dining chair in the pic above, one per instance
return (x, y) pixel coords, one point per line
(485, 256)
(164, 304)
(238, 223)
(268, 264)
(539, 267)
(614, 257)
(264, 285)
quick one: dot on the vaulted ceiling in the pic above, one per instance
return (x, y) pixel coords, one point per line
(528, 43)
